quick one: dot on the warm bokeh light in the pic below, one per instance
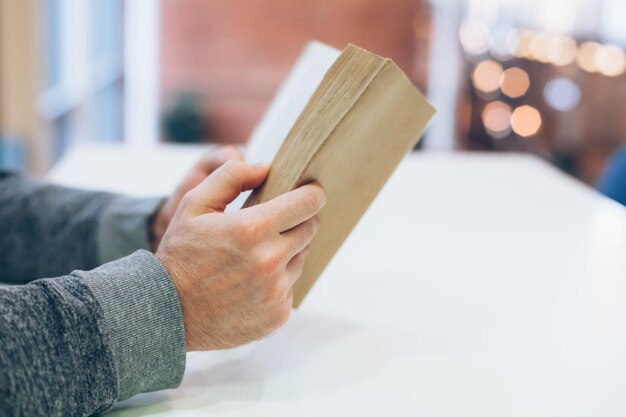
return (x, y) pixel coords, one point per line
(496, 118)
(486, 76)
(539, 47)
(523, 44)
(526, 121)
(586, 56)
(561, 50)
(515, 82)
(562, 94)
(610, 60)
(474, 36)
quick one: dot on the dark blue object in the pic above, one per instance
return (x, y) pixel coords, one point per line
(613, 180)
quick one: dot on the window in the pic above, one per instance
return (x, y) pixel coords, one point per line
(83, 81)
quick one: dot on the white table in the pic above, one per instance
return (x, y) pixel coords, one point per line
(476, 285)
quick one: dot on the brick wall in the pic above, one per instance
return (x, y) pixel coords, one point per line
(237, 52)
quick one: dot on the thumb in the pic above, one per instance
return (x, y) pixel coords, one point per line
(223, 185)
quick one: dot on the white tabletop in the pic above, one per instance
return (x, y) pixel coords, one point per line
(476, 285)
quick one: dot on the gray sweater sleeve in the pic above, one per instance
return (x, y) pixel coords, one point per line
(74, 345)
(48, 230)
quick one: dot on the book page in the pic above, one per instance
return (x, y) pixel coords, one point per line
(287, 105)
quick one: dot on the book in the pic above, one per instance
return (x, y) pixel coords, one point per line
(344, 119)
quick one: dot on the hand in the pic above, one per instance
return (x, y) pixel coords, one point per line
(234, 271)
(208, 163)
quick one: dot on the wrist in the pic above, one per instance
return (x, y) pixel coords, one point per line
(157, 224)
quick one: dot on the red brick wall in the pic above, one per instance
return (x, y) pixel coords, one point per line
(237, 52)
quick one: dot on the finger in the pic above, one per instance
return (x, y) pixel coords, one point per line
(208, 163)
(214, 158)
(295, 267)
(300, 236)
(223, 185)
(292, 208)
(289, 300)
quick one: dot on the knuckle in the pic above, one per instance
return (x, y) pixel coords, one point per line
(233, 165)
(316, 222)
(298, 270)
(313, 226)
(230, 150)
(251, 231)
(187, 198)
(231, 169)
(270, 262)
(300, 258)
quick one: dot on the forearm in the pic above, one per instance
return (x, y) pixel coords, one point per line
(49, 230)
(75, 345)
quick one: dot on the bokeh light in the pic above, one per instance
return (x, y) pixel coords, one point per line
(474, 36)
(523, 43)
(586, 56)
(515, 82)
(504, 42)
(539, 47)
(526, 121)
(561, 50)
(496, 118)
(562, 94)
(610, 60)
(486, 76)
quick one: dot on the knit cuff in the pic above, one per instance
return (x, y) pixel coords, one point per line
(144, 322)
(123, 227)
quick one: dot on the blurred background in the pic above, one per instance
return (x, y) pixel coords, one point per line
(543, 77)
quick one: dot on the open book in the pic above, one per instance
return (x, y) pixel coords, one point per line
(345, 120)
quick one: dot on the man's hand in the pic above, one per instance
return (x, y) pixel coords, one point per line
(234, 271)
(205, 166)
